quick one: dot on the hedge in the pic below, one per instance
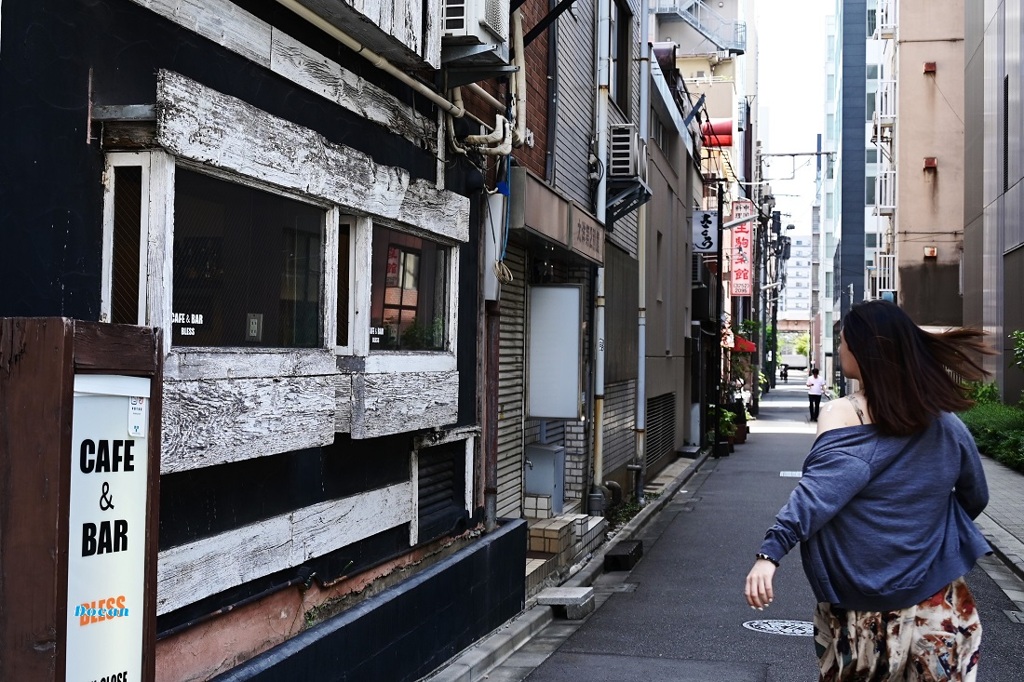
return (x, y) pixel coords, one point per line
(998, 430)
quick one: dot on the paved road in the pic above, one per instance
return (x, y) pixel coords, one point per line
(680, 614)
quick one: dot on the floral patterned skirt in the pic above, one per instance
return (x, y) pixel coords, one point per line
(938, 639)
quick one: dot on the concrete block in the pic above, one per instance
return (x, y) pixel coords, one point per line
(562, 596)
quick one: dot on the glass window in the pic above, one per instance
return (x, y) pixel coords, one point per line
(247, 266)
(869, 190)
(872, 155)
(125, 285)
(620, 28)
(409, 292)
(872, 71)
(870, 240)
(344, 292)
(872, 17)
(869, 107)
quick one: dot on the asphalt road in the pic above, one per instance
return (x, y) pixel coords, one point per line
(680, 613)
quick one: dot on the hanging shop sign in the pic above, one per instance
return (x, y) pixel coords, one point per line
(107, 528)
(705, 231)
(740, 248)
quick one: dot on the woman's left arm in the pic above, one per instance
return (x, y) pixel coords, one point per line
(971, 487)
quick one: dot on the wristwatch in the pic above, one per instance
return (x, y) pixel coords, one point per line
(759, 555)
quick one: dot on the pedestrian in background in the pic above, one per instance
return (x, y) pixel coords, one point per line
(884, 510)
(815, 387)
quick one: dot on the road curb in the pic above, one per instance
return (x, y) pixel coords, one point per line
(475, 662)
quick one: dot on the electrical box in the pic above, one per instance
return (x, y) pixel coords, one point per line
(545, 473)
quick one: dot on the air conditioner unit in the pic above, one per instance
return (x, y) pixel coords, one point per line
(698, 273)
(624, 154)
(475, 21)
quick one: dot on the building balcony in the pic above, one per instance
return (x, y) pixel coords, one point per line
(885, 104)
(726, 34)
(885, 193)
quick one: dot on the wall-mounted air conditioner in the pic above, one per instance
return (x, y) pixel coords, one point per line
(698, 271)
(475, 21)
(624, 151)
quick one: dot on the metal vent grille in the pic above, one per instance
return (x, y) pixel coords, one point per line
(698, 273)
(495, 18)
(455, 17)
(622, 161)
(661, 427)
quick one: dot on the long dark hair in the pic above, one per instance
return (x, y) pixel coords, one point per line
(910, 375)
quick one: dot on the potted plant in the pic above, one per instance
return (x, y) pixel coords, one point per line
(726, 431)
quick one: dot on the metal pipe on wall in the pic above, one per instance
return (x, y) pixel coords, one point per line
(603, 50)
(641, 382)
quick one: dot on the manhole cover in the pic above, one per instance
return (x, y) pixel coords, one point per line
(1015, 616)
(793, 628)
(791, 474)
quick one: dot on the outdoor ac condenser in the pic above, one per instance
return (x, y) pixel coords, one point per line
(476, 21)
(545, 473)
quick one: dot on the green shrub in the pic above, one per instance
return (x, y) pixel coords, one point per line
(998, 430)
(980, 392)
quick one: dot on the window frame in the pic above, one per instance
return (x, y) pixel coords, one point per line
(114, 160)
(450, 313)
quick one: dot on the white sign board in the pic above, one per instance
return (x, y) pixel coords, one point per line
(705, 231)
(107, 528)
(554, 377)
(740, 251)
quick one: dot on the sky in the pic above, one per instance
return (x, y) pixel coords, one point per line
(791, 99)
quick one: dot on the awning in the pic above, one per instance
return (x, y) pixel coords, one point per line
(741, 345)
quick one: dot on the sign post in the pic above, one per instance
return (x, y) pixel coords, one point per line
(80, 402)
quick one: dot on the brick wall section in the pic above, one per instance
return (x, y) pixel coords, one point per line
(535, 158)
(575, 460)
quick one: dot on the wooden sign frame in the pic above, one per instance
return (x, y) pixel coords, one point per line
(39, 358)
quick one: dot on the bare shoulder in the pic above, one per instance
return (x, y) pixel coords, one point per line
(836, 414)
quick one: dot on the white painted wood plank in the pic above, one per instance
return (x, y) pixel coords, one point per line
(329, 283)
(343, 404)
(325, 77)
(386, 404)
(223, 22)
(432, 34)
(190, 364)
(190, 572)
(204, 125)
(161, 243)
(233, 28)
(206, 423)
(362, 266)
(391, 362)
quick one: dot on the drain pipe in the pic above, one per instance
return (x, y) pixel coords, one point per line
(603, 19)
(371, 56)
(641, 380)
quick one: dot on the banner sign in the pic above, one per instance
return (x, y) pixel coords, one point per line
(740, 251)
(705, 231)
(107, 528)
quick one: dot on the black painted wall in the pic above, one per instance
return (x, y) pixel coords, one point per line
(412, 629)
(54, 56)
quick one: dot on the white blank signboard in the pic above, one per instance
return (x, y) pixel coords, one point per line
(553, 352)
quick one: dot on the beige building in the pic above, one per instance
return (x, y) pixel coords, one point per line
(919, 131)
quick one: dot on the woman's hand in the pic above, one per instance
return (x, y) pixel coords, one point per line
(759, 584)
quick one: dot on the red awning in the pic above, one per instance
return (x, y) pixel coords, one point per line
(741, 345)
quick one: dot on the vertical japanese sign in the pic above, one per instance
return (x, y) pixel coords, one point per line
(107, 528)
(740, 249)
(705, 231)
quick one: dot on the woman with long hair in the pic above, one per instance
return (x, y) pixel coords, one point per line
(884, 510)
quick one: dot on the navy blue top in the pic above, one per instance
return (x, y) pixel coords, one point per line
(885, 522)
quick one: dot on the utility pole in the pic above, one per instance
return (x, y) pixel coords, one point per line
(718, 319)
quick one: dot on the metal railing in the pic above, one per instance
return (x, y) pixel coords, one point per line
(885, 103)
(885, 193)
(725, 33)
(885, 28)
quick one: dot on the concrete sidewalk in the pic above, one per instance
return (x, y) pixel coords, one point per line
(525, 644)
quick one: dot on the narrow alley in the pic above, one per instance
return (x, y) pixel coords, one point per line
(680, 615)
